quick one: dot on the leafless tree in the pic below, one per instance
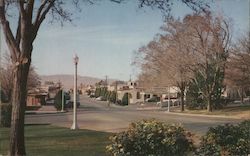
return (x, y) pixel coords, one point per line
(197, 45)
(6, 76)
(31, 14)
(211, 39)
(238, 66)
(168, 58)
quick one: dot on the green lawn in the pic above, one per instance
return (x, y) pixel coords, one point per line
(56, 141)
(242, 111)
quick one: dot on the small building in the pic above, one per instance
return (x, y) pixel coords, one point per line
(136, 95)
(36, 97)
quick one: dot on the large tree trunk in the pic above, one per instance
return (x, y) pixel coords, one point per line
(209, 104)
(182, 94)
(182, 102)
(242, 95)
(17, 145)
(19, 96)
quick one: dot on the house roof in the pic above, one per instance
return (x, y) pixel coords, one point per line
(37, 91)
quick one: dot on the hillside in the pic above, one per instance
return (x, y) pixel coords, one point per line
(68, 80)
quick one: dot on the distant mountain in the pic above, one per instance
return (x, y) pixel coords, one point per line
(68, 80)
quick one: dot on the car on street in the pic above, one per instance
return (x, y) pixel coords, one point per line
(70, 104)
(153, 99)
(101, 98)
(50, 102)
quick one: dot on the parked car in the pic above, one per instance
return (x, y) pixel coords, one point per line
(173, 102)
(70, 104)
(153, 99)
(50, 101)
(101, 98)
(164, 103)
(67, 96)
(246, 99)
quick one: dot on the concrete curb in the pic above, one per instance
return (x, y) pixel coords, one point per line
(204, 115)
(149, 108)
(187, 114)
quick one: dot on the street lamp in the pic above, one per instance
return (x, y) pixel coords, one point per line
(74, 125)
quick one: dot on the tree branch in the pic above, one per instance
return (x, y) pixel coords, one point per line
(10, 40)
(18, 32)
(29, 10)
(39, 12)
(21, 8)
(42, 12)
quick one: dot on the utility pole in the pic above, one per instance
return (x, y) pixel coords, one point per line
(106, 81)
(116, 94)
(168, 98)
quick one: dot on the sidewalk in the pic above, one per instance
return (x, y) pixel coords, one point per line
(45, 110)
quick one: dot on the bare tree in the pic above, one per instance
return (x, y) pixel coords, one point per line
(197, 45)
(238, 66)
(168, 58)
(6, 76)
(210, 38)
(31, 14)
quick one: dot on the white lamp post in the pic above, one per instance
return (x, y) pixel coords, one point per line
(74, 125)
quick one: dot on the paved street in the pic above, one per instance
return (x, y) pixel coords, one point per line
(96, 115)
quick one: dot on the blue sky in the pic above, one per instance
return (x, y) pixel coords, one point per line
(105, 35)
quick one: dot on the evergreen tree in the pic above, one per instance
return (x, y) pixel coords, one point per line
(125, 99)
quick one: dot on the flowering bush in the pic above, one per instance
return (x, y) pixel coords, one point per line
(151, 137)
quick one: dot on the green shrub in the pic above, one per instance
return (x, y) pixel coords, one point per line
(245, 128)
(112, 97)
(5, 118)
(226, 140)
(97, 92)
(103, 91)
(151, 137)
(125, 99)
(106, 94)
(58, 100)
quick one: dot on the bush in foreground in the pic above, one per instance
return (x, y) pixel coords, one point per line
(151, 137)
(226, 140)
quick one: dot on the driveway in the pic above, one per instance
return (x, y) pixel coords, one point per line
(97, 115)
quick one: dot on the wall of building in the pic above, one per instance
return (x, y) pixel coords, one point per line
(135, 98)
(33, 101)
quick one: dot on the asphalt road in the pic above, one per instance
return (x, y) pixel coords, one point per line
(97, 115)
